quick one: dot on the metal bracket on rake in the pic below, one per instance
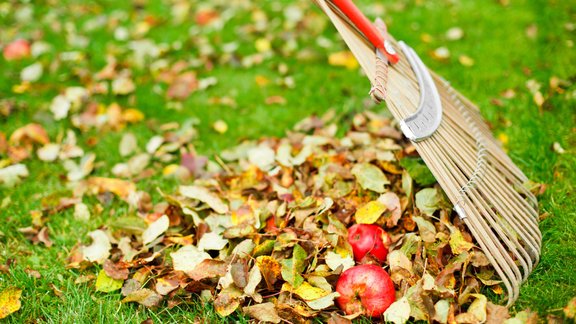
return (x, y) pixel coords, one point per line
(424, 122)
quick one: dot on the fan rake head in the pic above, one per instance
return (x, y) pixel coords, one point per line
(487, 189)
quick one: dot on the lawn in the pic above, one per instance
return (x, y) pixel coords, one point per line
(515, 59)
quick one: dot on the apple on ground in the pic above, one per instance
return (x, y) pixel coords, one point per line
(365, 289)
(369, 241)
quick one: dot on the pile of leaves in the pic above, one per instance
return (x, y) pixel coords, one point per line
(264, 230)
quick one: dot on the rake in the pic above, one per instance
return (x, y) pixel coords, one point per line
(487, 189)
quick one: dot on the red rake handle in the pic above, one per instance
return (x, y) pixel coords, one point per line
(365, 26)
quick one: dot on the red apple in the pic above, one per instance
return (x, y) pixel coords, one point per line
(366, 288)
(16, 50)
(369, 241)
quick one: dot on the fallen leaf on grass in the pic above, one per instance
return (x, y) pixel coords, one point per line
(212, 241)
(144, 296)
(206, 196)
(270, 269)
(398, 312)
(306, 291)
(187, 258)
(105, 283)
(292, 268)
(11, 175)
(31, 133)
(43, 237)
(392, 203)
(458, 244)
(428, 200)
(227, 302)
(369, 213)
(155, 229)
(99, 250)
(265, 312)
(9, 301)
(370, 177)
(165, 286)
(345, 59)
(48, 152)
(335, 260)
(121, 188)
(323, 302)
(208, 268)
(478, 307)
(570, 309)
(115, 271)
(496, 314)
(32, 73)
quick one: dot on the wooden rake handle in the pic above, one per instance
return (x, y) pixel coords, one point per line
(356, 16)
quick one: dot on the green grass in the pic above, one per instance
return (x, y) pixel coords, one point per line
(495, 37)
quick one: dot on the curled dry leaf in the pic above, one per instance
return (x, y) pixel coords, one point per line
(11, 175)
(31, 133)
(99, 250)
(206, 196)
(155, 229)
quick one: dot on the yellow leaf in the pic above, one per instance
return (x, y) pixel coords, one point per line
(170, 169)
(263, 45)
(106, 284)
(220, 126)
(478, 307)
(262, 81)
(227, 301)
(270, 268)
(345, 59)
(306, 291)
(457, 242)
(466, 60)
(132, 115)
(9, 301)
(121, 188)
(369, 213)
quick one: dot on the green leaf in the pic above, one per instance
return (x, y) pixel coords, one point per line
(428, 200)
(426, 228)
(106, 284)
(292, 268)
(370, 177)
(418, 171)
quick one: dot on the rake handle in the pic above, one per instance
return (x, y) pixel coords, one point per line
(365, 26)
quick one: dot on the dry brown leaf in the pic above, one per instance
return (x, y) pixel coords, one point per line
(265, 312)
(270, 269)
(208, 268)
(144, 296)
(121, 188)
(496, 314)
(115, 270)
